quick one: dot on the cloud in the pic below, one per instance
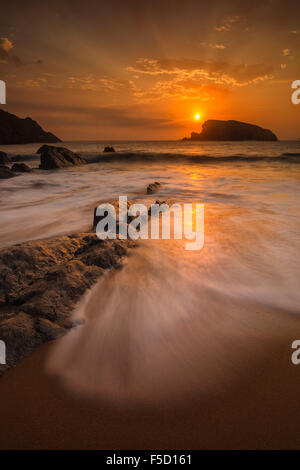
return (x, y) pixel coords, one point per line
(5, 44)
(180, 89)
(93, 83)
(7, 57)
(227, 25)
(5, 53)
(286, 52)
(221, 73)
(121, 116)
(213, 46)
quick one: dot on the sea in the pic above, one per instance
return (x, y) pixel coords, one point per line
(169, 313)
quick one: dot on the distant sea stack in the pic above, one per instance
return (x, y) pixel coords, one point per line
(15, 130)
(231, 130)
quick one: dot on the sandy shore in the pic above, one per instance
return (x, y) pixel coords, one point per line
(259, 408)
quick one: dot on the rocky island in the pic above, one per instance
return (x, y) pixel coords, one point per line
(15, 130)
(231, 131)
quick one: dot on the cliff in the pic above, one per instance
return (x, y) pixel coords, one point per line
(232, 130)
(15, 130)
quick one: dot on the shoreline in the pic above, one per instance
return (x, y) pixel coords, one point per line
(257, 410)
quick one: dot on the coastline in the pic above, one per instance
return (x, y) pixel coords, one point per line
(255, 405)
(257, 409)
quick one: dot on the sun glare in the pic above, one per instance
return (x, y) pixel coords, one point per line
(197, 116)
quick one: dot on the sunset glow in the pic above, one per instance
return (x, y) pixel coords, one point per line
(158, 86)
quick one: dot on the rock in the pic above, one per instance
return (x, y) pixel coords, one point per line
(152, 187)
(6, 172)
(21, 168)
(41, 282)
(42, 148)
(109, 149)
(18, 333)
(4, 158)
(49, 329)
(15, 130)
(232, 131)
(58, 157)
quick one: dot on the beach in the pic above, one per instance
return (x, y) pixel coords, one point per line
(175, 348)
(257, 409)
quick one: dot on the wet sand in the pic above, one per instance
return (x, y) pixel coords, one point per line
(259, 408)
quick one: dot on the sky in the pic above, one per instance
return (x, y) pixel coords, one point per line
(142, 70)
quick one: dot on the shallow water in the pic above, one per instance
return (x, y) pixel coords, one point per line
(172, 322)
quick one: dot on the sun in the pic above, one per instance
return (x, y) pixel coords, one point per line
(197, 116)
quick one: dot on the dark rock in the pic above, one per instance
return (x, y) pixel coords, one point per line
(41, 282)
(15, 130)
(6, 172)
(232, 131)
(109, 149)
(18, 333)
(48, 329)
(21, 168)
(58, 157)
(152, 187)
(42, 148)
(4, 158)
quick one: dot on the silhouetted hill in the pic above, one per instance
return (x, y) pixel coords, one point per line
(15, 130)
(232, 130)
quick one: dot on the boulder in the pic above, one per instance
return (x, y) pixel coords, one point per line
(58, 157)
(21, 168)
(6, 172)
(15, 130)
(4, 159)
(40, 283)
(152, 187)
(42, 148)
(109, 149)
(232, 131)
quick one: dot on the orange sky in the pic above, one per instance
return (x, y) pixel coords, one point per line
(142, 70)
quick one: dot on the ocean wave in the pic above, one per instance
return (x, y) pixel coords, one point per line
(174, 157)
(287, 157)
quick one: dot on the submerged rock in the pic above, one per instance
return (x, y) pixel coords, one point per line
(4, 159)
(6, 172)
(41, 282)
(58, 157)
(15, 130)
(152, 187)
(21, 168)
(232, 131)
(109, 149)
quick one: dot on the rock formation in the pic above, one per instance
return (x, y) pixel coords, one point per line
(4, 159)
(58, 157)
(6, 172)
(40, 283)
(231, 131)
(15, 130)
(21, 168)
(152, 187)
